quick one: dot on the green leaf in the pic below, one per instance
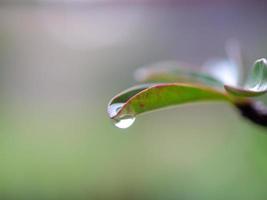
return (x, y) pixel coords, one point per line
(256, 83)
(127, 94)
(145, 98)
(171, 72)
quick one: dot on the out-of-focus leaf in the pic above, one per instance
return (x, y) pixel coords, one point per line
(171, 72)
(256, 84)
(149, 98)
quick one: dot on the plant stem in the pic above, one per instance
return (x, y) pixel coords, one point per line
(254, 111)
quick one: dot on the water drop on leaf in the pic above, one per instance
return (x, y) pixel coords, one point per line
(124, 122)
(114, 108)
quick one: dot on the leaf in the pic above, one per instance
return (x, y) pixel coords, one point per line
(256, 83)
(239, 92)
(125, 95)
(171, 72)
(145, 98)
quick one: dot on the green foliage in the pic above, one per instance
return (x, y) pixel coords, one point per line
(146, 98)
(170, 86)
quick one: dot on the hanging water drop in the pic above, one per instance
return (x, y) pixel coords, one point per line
(124, 121)
(114, 108)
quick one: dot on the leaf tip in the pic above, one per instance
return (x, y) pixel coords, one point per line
(262, 61)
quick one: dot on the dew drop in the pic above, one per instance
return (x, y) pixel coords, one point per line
(114, 108)
(124, 121)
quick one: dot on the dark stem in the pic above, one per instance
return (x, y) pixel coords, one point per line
(254, 111)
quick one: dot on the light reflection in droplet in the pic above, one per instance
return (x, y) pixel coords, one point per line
(114, 108)
(122, 122)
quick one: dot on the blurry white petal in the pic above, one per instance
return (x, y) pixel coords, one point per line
(223, 70)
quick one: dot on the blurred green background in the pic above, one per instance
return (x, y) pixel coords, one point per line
(61, 62)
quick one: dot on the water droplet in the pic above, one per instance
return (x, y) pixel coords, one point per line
(124, 122)
(114, 108)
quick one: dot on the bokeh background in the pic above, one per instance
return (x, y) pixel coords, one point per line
(60, 63)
